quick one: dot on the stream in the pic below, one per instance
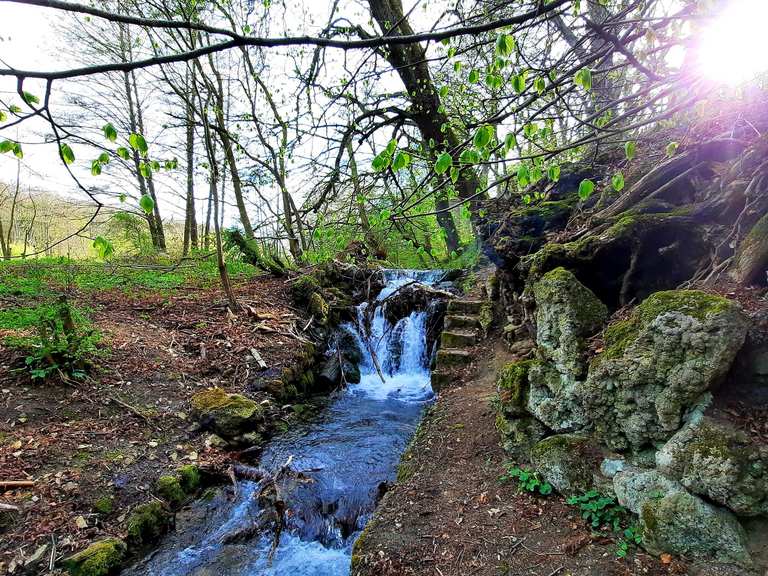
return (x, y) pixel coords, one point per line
(345, 458)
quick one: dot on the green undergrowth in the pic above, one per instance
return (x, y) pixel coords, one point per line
(527, 480)
(602, 512)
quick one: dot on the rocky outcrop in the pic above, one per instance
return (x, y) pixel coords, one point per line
(657, 365)
(714, 460)
(566, 461)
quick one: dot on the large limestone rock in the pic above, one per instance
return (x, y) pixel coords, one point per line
(553, 400)
(677, 522)
(715, 460)
(657, 366)
(567, 461)
(567, 312)
(228, 415)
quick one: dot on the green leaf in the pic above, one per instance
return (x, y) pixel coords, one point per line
(523, 176)
(583, 78)
(104, 158)
(402, 160)
(586, 188)
(617, 181)
(469, 156)
(145, 170)
(155, 165)
(518, 83)
(530, 130)
(457, 66)
(3, 116)
(553, 173)
(95, 168)
(672, 148)
(474, 77)
(510, 141)
(505, 44)
(67, 154)
(138, 143)
(381, 161)
(147, 204)
(454, 174)
(6, 146)
(122, 197)
(109, 132)
(540, 84)
(103, 247)
(443, 162)
(482, 136)
(629, 149)
(17, 151)
(124, 153)
(391, 147)
(30, 98)
(13, 108)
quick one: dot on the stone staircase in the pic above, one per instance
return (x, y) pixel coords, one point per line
(461, 331)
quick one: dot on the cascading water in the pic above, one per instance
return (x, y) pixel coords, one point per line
(344, 460)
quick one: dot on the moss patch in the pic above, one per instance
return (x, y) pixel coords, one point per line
(147, 523)
(512, 384)
(169, 489)
(99, 559)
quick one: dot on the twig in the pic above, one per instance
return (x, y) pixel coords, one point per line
(16, 484)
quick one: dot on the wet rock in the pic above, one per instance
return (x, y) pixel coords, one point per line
(566, 461)
(99, 559)
(713, 459)
(567, 313)
(677, 522)
(227, 415)
(657, 366)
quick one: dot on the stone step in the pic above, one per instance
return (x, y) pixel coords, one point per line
(458, 339)
(460, 322)
(440, 380)
(466, 307)
(448, 357)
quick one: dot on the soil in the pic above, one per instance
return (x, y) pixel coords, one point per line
(453, 517)
(114, 434)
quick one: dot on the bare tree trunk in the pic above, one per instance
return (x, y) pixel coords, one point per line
(190, 222)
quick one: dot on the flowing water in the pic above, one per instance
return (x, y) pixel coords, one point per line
(345, 458)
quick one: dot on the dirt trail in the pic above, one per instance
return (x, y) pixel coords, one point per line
(449, 515)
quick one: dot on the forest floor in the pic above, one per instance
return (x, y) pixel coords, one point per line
(451, 515)
(93, 449)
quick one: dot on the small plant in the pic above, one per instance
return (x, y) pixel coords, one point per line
(527, 480)
(603, 512)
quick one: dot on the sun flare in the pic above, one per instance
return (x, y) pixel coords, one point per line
(733, 48)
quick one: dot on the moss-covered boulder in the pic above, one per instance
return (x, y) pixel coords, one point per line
(228, 415)
(189, 478)
(567, 313)
(715, 460)
(147, 523)
(554, 400)
(677, 522)
(99, 559)
(318, 307)
(519, 434)
(657, 366)
(169, 489)
(566, 461)
(685, 525)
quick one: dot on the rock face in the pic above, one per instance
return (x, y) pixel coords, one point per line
(657, 365)
(678, 522)
(228, 415)
(714, 460)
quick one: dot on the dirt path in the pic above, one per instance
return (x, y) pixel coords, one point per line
(449, 515)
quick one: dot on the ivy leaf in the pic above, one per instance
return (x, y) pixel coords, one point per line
(30, 98)
(617, 181)
(402, 160)
(109, 132)
(95, 168)
(147, 204)
(138, 143)
(123, 153)
(443, 162)
(553, 173)
(103, 247)
(67, 154)
(629, 149)
(586, 188)
(672, 148)
(482, 136)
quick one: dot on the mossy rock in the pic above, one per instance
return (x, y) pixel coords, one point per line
(228, 415)
(318, 307)
(717, 461)
(658, 365)
(566, 461)
(520, 434)
(513, 387)
(189, 478)
(169, 489)
(567, 312)
(99, 559)
(146, 524)
(303, 288)
(104, 505)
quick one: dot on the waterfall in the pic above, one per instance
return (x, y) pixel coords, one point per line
(346, 457)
